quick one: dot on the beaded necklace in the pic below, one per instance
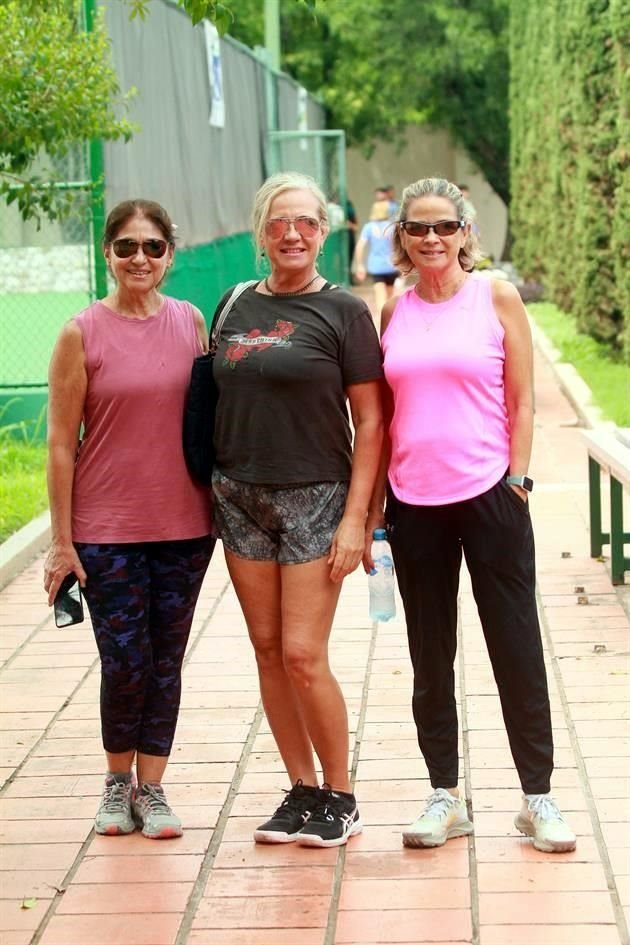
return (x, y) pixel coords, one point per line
(288, 294)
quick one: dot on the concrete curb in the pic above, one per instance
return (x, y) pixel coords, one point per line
(19, 550)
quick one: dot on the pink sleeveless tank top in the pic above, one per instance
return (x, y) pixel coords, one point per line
(444, 364)
(131, 483)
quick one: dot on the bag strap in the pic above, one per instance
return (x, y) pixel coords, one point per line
(217, 325)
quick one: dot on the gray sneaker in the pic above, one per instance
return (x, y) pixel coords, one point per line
(152, 813)
(114, 814)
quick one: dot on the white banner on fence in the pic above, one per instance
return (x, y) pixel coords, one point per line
(215, 75)
(302, 115)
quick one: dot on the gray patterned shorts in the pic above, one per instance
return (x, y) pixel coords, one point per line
(287, 524)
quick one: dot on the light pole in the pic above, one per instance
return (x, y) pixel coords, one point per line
(272, 32)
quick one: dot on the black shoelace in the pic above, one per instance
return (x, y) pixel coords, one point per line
(294, 802)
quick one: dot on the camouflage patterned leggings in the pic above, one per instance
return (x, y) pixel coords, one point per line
(141, 599)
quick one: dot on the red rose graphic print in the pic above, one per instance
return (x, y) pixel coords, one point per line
(242, 345)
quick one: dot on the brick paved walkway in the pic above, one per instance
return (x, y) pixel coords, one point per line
(61, 885)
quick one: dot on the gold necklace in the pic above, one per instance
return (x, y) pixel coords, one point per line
(288, 294)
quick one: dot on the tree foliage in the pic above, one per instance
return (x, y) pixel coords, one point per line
(570, 152)
(214, 10)
(223, 15)
(57, 89)
(380, 65)
(620, 167)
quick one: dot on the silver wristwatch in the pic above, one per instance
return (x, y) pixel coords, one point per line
(523, 481)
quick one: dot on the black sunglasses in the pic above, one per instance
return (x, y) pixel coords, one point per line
(154, 249)
(443, 228)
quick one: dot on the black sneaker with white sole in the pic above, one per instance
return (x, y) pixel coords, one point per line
(285, 824)
(332, 822)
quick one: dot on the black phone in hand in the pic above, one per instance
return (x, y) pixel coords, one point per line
(68, 604)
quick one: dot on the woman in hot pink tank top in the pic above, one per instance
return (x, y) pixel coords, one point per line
(127, 519)
(458, 365)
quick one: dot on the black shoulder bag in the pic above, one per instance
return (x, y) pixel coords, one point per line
(201, 401)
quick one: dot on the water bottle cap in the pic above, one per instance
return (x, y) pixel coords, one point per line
(379, 534)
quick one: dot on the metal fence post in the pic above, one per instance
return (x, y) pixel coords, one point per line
(97, 195)
(595, 507)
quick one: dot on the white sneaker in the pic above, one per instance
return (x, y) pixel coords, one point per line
(540, 818)
(444, 816)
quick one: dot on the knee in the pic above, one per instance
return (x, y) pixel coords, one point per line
(268, 655)
(302, 666)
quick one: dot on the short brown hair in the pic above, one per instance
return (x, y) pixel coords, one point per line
(128, 209)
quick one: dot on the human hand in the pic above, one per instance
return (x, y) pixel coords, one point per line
(346, 549)
(521, 493)
(61, 559)
(360, 273)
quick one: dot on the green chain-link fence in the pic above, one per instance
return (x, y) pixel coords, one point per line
(45, 278)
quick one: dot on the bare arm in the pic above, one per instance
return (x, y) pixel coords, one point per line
(202, 330)
(376, 508)
(358, 263)
(67, 386)
(518, 376)
(347, 544)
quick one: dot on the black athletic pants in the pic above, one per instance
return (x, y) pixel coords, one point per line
(494, 532)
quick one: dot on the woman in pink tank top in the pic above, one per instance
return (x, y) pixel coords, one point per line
(127, 519)
(458, 365)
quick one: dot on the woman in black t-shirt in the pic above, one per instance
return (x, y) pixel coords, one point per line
(291, 492)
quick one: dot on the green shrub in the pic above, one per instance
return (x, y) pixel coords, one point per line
(569, 157)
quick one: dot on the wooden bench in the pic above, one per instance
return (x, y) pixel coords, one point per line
(610, 452)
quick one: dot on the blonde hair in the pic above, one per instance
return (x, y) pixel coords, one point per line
(274, 186)
(469, 253)
(380, 210)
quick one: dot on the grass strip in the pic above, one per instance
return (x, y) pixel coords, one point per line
(22, 484)
(597, 364)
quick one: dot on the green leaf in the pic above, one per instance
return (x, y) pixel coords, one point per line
(223, 19)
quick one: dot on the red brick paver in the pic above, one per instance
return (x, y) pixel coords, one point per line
(62, 885)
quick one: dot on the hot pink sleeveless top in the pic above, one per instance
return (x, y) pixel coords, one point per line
(131, 482)
(444, 363)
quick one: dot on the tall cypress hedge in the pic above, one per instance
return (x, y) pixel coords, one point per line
(569, 156)
(620, 164)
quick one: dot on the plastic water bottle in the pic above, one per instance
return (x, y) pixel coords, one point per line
(381, 583)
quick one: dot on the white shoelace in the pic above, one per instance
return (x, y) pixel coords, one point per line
(439, 804)
(545, 808)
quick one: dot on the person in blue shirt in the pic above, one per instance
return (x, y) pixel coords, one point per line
(376, 240)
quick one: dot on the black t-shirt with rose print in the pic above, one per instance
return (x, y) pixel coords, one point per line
(282, 368)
